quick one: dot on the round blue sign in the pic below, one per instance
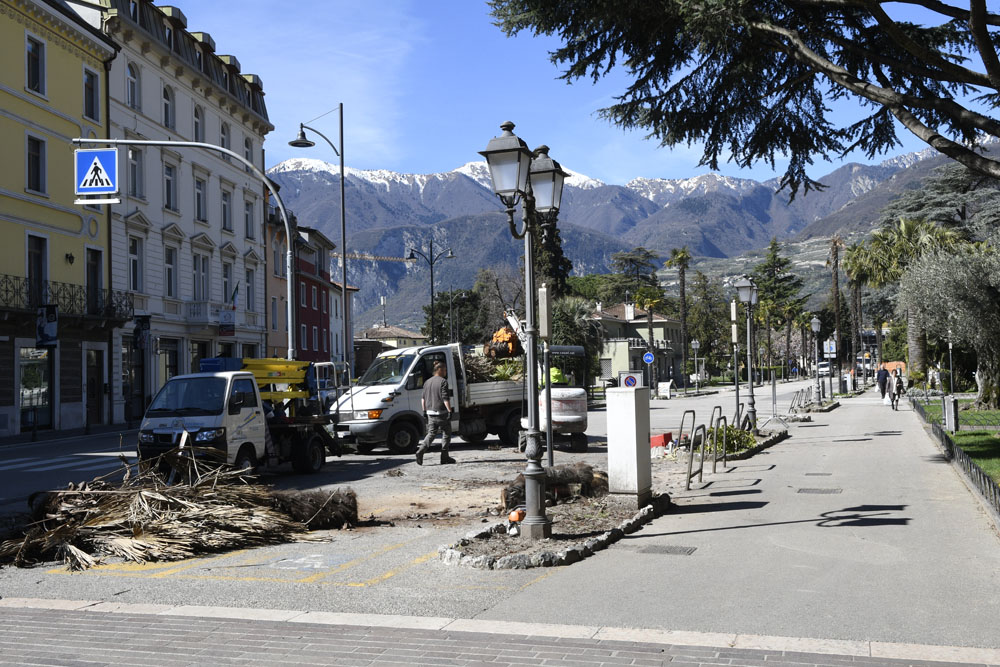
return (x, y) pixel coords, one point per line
(629, 380)
(648, 357)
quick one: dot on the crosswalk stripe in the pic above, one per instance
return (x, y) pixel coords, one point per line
(79, 463)
(36, 461)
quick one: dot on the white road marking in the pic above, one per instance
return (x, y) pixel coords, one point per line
(34, 462)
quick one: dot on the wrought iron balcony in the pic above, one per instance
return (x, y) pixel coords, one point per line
(18, 293)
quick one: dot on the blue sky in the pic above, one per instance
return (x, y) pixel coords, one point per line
(425, 85)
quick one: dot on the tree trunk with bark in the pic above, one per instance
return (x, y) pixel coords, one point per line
(988, 384)
(916, 343)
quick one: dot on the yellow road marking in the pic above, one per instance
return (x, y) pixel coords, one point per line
(538, 578)
(392, 573)
(196, 563)
(313, 578)
(145, 568)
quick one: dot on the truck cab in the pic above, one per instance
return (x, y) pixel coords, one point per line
(221, 411)
(385, 405)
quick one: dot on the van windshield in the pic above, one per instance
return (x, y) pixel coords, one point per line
(387, 370)
(190, 396)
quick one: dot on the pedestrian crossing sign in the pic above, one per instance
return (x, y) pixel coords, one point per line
(96, 171)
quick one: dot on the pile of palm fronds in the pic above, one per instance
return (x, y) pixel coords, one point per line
(148, 516)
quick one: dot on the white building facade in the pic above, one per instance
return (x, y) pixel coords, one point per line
(188, 235)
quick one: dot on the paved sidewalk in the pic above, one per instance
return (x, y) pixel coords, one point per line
(79, 634)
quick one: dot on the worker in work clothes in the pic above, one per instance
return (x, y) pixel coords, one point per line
(436, 403)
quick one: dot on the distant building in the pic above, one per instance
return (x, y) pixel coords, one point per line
(394, 337)
(55, 255)
(626, 329)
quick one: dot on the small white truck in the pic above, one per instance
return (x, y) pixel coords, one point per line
(265, 413)
(384, 407)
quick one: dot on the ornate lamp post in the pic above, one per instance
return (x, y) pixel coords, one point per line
(431, 259)
(510, 162)
(815, 324)
(747, 292)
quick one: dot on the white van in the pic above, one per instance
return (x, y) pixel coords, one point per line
(824, 368)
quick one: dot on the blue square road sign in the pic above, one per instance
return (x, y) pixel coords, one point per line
(96, 171)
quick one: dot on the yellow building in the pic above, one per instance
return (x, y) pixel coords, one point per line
(54, 254)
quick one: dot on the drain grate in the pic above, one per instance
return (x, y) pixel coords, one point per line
(668, 550)
(820, 490)
(818, 474)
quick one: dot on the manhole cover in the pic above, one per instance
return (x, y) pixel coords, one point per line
(818, 474)
(668, 550)
(820, 490)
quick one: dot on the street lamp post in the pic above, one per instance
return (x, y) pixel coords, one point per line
(815, 324)
(697, 377)
(431, 260)
(747, 292)
(302, 142)
(951, 368)
(536, 180)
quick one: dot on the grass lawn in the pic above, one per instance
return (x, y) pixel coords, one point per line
(983, 447)
(965, 417)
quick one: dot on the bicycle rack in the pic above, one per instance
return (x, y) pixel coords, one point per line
(680, 429)
(717, 410)
(700, 428)
(724, 424)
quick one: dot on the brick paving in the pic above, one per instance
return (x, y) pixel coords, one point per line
(90, 639)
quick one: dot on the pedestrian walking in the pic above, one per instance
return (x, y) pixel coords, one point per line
(882, 378)
(436, 404)
(896, 389)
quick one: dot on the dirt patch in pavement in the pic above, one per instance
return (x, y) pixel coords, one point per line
(572, 523)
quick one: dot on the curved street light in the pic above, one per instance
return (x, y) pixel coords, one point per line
(301, 141)
(431, 259)
(536, 180)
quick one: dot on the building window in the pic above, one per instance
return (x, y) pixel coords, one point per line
(38, 269)
(91, 96)
(305, 336)
(169, 109)
(316, 338)
(302, 294)
(200, 59)
(324, 306)
(315, 305)
(35, 65)
(227, 283)
(132, 87)
(170, 272)
(276, 263)
(168, 35)
(248, 219)
(248, 151)
(224, 139)
(135, 263)
(136, 180)
(201, 287)
(227, 211)
(200, 205)
(35, 166)
(133, 10)
(274, 313)
(199, 123)
(324, 340)
(170, 187)
(251, 291)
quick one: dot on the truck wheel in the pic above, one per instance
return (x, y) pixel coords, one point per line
(508, 433)
(474, 437)
(310, 457)
(403, 438)
(578, 442)
(246, 458)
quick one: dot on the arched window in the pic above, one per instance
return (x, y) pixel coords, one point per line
(132, 87)
(169, 112)
(199, 124)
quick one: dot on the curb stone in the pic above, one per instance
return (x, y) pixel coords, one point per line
(769, 442)
(451, 554)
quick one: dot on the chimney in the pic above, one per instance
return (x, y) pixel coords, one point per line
(599, 307)
(629, 311)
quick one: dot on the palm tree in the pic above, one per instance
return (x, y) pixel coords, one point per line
(836, 243)
(803, 321)
(854, 267)
(680, 259)
(890, 251)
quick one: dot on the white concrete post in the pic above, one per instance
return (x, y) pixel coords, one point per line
(629, 469)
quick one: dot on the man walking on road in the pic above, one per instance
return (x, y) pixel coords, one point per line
(436, 403)
(882, 378)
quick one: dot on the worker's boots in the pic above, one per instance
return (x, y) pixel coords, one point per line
(420, 455)
(445, 459)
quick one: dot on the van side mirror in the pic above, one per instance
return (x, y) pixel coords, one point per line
(236, 403)
(411, 382)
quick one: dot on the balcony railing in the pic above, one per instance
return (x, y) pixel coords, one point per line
(22, 294)
(640, 343)
(202, 312)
